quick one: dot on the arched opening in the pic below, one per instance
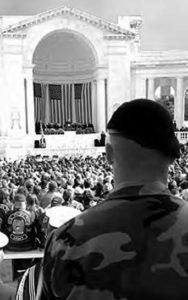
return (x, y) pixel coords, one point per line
(65, 68)
(165, 95)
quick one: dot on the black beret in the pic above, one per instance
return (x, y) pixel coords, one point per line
(148, 123)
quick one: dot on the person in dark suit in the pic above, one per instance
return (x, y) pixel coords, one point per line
(7, 292)
(102, 140)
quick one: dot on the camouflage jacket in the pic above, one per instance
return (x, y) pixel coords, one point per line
(133, 245)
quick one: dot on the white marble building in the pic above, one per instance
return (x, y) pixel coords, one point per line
(65, 45)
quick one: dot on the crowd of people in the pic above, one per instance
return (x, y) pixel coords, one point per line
(77, 178)
(33, 185)
(81, 181)
(178, 174)
(38, 194)
(57, 128)
(36, 183)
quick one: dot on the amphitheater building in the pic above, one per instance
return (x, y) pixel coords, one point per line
(65, 66)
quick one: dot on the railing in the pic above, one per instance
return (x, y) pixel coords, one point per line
(182, 136)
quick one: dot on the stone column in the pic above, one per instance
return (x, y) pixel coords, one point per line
(101, 126)
(28, 74)
(4, 117)
(94, 104)
(151, 88)
(179, 103)
(119, 73)
(140, 87)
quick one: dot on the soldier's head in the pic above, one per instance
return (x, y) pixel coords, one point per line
(141, 142)
(20, 201)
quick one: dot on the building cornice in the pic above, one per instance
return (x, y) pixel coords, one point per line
(13, 35)
(117, 31)
(163, 63)
(116, 37)
(152, 59)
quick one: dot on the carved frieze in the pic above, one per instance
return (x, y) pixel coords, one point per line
(116, 31)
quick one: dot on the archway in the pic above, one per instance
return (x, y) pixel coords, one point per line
(165, 95)
(65, 68)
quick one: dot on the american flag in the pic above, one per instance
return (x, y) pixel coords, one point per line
(67, 102)
(56, 108)
(37, 102)
(83, 103)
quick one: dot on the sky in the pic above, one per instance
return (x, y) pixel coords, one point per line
(165, 24)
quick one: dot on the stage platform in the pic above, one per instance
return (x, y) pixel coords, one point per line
(93, 151)
(69, 143)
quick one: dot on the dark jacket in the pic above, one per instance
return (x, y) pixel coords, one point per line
(26, 230)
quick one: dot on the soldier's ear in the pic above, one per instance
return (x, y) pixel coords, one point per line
(109, 153)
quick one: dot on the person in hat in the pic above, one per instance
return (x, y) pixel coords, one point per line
(7, 292)
(59, 214)
(133, 245)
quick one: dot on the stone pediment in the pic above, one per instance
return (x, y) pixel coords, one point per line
(112, 30)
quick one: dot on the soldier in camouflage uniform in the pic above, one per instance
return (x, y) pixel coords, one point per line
(133, 245)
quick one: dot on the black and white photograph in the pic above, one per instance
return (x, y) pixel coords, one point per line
(93, 150)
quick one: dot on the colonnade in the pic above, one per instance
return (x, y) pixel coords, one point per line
(146, 88)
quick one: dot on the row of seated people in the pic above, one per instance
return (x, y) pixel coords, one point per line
(183, 128)
(57, 128)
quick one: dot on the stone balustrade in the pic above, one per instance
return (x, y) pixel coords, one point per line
(182, 136)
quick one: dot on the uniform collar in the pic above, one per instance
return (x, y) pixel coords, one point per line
(133, 189)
